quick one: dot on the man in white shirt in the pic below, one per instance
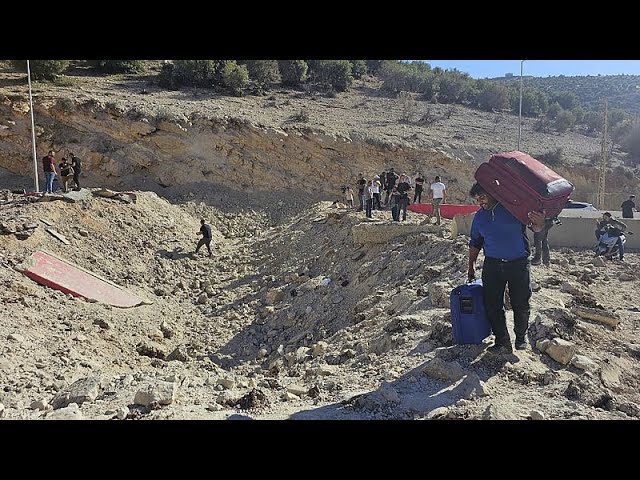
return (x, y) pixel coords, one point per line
(437, 192)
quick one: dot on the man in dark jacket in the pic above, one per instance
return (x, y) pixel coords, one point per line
(76, 163)
(205, 231)
(628, 206)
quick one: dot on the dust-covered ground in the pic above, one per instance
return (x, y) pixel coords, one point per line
(294, 320)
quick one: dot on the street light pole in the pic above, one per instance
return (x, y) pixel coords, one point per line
(520, 111)
(33, 132)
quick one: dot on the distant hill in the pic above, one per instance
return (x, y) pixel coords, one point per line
(622, 91)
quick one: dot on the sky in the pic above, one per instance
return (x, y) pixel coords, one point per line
(539, 68)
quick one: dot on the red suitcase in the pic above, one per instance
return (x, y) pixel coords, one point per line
(523, 184)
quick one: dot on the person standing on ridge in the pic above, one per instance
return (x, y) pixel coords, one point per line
(541, 244)
(438, 194)
(419, 185)
(49, 169)
(76, 163)
(628, 206)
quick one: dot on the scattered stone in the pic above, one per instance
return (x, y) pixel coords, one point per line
(536, 415)
(160, 393)
(498, 412)
(599, 262)
(203, 298)
(16, 337)
(58, 235)
(70, 412)
(297, 389)
(597, 315)
(585, 390)
(255, 398)
(471, 386)
(437, 368)
(151, 349)
(584, 363)
(560, 350)
(227, 382)
(41, 404)
(358, 255)
(439, 294)
(180, 354)
(274, 296)
(83, 390)
(439, 412)
(287, 396)
(319, 349)
(122, 412)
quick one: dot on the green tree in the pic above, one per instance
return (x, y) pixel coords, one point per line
(620, 131)
(453, 86)
(593, 121)
(42, 69)
(192, 73)
(293, 72)
(554, 110)
(491, 96)
(564, 121)
(358, 68)
(235, 77)
(263, 72)
(118, 66)
(567, 100)
(334, 73)
(373, 66)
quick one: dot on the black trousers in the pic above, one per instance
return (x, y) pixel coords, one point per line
(417, 195)
(404, 201)
(376, 201)
(496, 275)
(204, 241)
(76, 178)
(395, 213)
(541, 243)
(368, 205)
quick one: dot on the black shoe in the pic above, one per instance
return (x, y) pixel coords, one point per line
(536, 261)
(500, 349)
(521, 343)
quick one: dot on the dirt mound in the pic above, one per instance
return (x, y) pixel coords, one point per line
(293, 320)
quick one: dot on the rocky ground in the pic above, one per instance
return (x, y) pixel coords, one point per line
(306, 310)
(322, 316)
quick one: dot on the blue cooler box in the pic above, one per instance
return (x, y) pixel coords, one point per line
(468, 319)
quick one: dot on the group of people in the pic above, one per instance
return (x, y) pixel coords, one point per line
(69, 169)
(396, 189)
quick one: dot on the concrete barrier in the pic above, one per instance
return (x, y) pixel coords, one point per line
(579, 232)
(577, 229)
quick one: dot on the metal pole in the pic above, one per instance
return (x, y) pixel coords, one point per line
(520, 111)
(33, 133)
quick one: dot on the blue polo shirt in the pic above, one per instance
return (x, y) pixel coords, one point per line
(500, 234)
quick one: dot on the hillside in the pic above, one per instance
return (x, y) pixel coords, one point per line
(621, 91)
(131, 134)
(298, 321)
(306, 310)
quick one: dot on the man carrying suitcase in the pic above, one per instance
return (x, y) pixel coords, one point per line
(506, 249)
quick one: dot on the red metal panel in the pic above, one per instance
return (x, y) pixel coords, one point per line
(57, 273)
